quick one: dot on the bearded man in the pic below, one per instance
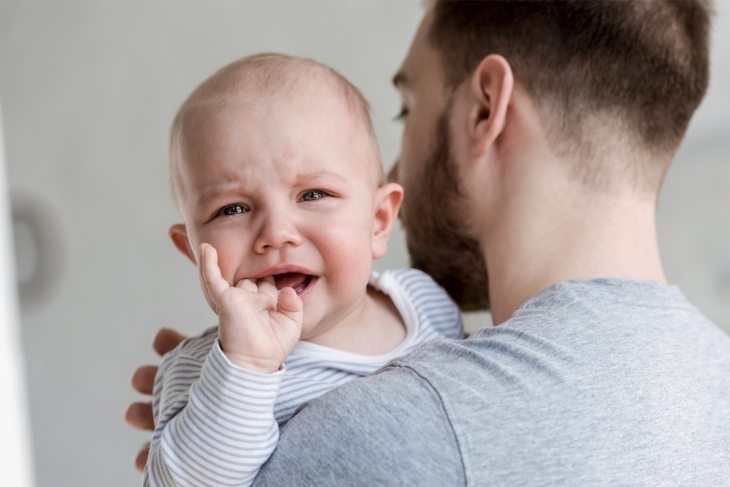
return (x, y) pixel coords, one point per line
(536, 138)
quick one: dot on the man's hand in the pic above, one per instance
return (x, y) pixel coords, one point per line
(139, 414)
(258, 326)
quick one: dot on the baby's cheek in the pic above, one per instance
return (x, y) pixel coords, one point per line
(352, 254)
(228, 260)
(351, 280)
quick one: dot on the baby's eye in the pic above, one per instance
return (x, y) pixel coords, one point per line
(231, 210)
(313, 195)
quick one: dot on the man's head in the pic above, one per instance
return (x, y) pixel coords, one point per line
(274, 163)
(597, 70)
(600, 81)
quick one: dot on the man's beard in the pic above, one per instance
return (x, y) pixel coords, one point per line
(434, 216)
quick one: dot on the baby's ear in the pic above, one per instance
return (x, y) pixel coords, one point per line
(179, 236)
(387, 202)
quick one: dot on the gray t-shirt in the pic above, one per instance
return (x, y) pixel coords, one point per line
(589, 383)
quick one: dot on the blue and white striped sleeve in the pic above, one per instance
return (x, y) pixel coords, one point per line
(219, 431)
(433, 305)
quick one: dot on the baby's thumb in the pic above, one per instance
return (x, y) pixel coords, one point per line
(290, 305)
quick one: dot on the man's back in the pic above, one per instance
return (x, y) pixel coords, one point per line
(589, 382)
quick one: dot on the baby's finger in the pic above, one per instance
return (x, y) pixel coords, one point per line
(210, 274)
(290, 304)
(203, 284)
(247, 285)
(267, 286)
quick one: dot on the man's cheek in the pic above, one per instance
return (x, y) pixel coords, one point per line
(412, 164)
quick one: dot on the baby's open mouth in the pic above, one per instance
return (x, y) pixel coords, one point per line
(298, 282)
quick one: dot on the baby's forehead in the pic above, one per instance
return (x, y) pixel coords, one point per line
(309, 92)
(312, 113)
(300, 136)
(281, 83)
(275, 77)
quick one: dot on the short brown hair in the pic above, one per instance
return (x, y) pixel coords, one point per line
(645, 61)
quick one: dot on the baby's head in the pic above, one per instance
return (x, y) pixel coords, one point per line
(273, 161)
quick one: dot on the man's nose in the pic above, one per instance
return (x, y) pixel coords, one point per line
(277, 231)
(393, 173)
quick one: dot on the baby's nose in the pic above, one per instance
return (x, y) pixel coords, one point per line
(277, 232)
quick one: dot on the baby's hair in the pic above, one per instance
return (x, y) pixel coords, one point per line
(271, 76)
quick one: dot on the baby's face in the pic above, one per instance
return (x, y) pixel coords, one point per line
(284, 188)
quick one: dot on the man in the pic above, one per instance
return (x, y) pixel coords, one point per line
(552, 126)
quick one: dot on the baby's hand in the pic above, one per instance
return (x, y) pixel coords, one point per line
(258, 326)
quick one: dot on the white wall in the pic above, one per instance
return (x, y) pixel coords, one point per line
(89, 91)
(15, 452)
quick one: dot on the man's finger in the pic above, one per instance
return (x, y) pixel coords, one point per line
(142, 456)
(166, 340)
(139, 415)
(143, 379)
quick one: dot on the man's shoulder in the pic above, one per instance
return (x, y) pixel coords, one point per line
(385, 429)
(581, 370)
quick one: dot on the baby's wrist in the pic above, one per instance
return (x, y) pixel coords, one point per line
(261, 366)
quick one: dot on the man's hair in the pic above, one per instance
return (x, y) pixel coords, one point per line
(271, 76)
(640, 66)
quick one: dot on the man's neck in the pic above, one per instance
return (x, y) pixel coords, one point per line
(569, 233)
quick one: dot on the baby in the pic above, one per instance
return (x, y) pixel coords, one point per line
(277, 175)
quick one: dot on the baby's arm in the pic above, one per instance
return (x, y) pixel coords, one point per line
(259, 326)
(223, 429)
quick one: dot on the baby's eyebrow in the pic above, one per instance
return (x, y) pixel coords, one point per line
(211, 194)
(319, 176)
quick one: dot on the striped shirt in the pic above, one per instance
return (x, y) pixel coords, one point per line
(217, 423)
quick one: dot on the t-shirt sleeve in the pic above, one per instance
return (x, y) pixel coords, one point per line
(386, 429)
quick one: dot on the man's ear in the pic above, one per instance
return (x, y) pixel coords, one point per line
(490, 88)
(179, 236)
(387, 202)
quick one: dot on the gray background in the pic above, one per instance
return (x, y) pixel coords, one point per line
(88, 93)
